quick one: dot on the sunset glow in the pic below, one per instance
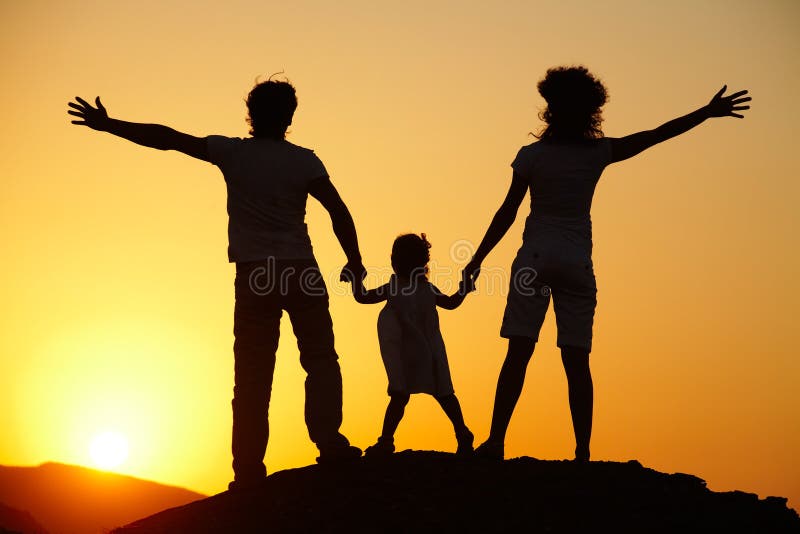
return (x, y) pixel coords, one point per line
(109, 450)
(117, 298)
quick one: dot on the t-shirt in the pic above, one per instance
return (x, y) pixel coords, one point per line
(562, 179)
(268, 182)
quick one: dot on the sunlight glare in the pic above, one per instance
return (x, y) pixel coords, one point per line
(109, 450)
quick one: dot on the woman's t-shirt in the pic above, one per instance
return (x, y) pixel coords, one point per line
(562, 179)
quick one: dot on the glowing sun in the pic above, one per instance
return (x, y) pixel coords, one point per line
(109, 450)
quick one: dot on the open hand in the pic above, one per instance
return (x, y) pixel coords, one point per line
(94, 118)
(724, 106)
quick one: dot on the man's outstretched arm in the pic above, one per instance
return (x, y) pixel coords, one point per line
(149, 135)
(344, 228)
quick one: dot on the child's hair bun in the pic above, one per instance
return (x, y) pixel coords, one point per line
(425, 240)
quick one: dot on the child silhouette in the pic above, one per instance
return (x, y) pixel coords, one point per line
(411, 343)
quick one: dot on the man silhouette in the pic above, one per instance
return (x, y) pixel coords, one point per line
(268, 181)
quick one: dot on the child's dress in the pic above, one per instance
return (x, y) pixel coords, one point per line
(411, 343)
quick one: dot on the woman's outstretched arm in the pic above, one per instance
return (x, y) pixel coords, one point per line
(501, 222)
(149, 135)
(720, 106)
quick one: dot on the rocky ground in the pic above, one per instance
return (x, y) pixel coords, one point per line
(416, 491)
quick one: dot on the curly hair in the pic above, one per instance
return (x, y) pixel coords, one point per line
(410, 255)
(574, 104)
(270, 107)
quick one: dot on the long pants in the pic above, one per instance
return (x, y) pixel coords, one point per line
(263, 290)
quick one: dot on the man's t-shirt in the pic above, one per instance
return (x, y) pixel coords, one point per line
(562, 179)
(268, 183)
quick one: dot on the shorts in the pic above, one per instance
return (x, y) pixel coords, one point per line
(548, 267)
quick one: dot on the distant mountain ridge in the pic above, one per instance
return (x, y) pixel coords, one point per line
(420, 491)
(15, 521)
(66, 499)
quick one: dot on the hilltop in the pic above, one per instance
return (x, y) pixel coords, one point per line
(417, 491)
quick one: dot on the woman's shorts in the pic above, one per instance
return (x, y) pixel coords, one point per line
(545, 268)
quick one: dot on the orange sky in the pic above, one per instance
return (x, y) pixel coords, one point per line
(117, 298)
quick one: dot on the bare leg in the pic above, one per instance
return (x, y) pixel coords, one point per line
(452, 409)
(509, 385)
(394, 413)
(581, 395)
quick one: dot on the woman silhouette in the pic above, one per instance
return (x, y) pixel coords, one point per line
(561, 170)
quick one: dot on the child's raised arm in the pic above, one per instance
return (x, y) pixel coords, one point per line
(451, 302)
